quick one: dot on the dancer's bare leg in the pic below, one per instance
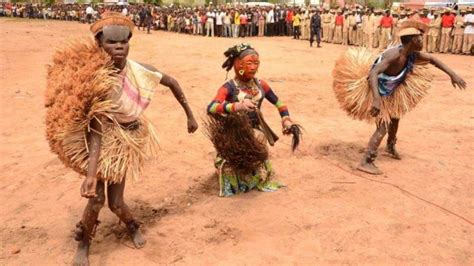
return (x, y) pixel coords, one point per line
(85, 229)
(367, 164)
(392, 139)
(118, 206)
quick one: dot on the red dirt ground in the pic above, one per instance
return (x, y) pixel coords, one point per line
(420, 211)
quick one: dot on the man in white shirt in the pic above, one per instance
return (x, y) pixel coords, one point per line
(468, 43)
(124, 11)
(210, 23)
(89, 13)
(219, 22)
(227, 25)
(270, 22)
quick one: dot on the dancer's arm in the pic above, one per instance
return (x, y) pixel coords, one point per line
(94, 143)
(171, 83)
(175, 88)
(220, 105)
(286, 121)
(455, 79)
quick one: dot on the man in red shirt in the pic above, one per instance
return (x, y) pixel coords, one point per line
(386, 23)
(338, 30)
(447, 23)
(289, 22)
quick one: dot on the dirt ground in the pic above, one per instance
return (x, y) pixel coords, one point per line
(421, 211)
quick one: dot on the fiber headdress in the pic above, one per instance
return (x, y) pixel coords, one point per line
(79, 83)
(111, 18)
(412, 27)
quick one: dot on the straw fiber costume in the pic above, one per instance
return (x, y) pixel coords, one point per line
(95, 99)
(83, 85)
(382, 88)
(238, 130)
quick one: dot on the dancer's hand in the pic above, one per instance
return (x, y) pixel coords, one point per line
(287, 123)
(375, 111)
(192, 125)
(88, 187)
(245, 105)
(457, 80)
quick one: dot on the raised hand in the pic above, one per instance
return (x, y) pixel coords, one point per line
(458, 81)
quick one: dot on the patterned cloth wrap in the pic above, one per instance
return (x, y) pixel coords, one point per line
(134, 92)
(387, 84)
(231, 183)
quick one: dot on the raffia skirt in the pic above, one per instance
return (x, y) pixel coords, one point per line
(351, 87)
(79, 84)
(242, 155)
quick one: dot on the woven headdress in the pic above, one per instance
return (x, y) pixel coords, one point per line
(412, 27)
(111, 18)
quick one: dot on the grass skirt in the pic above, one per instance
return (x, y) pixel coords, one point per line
(242, 154)
(78, 86)
(351, 86)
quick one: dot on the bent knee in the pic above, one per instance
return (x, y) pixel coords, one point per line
(116, 207)
(97, 203)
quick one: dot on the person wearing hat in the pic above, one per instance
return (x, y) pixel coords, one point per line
(396, 17)
(396, 82)
(398, 25)
(458, 32)
(377, 32)
(360, 33)
(332, 25)
(447, 23)
(468, 44)
(326, 18)
(304, 24)
(371, 25)
(95, 120)
(338, 22)
(386, 23)
(352, 26)
(426, 20)
(433, 33)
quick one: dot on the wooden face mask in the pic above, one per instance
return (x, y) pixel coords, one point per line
(247, 66)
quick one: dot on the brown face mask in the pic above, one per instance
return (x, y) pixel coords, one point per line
(247, 66)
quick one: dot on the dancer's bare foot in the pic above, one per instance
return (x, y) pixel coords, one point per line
(390, 149)
(370, 168)
(81, 258)
(138, 239)
(134, 232)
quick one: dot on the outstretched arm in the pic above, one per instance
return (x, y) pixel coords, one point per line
(171, 83)
(455, 79)
(281, 107)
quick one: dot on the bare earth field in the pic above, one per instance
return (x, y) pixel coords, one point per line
(421, 211)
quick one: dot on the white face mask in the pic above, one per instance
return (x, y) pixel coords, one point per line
(116, 32)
